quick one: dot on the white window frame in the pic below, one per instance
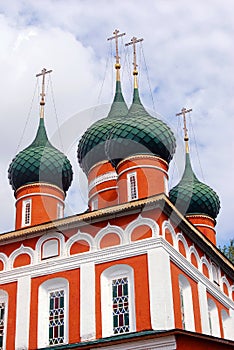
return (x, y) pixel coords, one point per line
(94, 204)
(166, 186)
(49, 249)
(188, 312)
(115, 272)
(213, 317)
(131, 197)
(4, 299)
(44, 291)
(24, 212)
(215, 274)
(60, 211)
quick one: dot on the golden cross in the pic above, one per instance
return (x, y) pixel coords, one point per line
(116, 36)
(183, 113)
(133, 42)
(43, 73)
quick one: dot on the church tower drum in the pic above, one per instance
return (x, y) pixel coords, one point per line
(40, 175)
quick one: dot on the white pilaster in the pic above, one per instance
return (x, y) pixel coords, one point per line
(203, 308)
(23, 312)
(87, 302)
(160, 288)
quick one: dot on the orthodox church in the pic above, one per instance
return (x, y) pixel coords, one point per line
(139, 269)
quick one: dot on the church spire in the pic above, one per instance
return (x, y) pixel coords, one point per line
(133, 42)
(118, 107)
(42, 102)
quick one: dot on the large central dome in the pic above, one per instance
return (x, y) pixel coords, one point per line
(91, 148)
(140, 133)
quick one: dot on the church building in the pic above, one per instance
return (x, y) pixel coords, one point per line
(139, 269)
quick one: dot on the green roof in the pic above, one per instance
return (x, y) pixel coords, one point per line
(91, 148)
(140, 133)
(192, 196)
(40, 162)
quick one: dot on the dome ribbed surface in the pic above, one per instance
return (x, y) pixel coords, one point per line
(40, 162)
(192, 196)
(91, 148)
(140, 133)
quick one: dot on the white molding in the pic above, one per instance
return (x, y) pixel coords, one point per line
(43, 309)
(46, 237)
(103, 190)
(168, 225)
(109, 176)
(4, 259)
(202, 295)
(40, 194)
(87, 302)
(78, 237)
(21, 250)
(139, 221)
(23, 312)
(160, 289)
(114, 272)
(193, 250)
(215, 326)
(180, 237)
(115, 253)
(165, 342)
(110, 229)
(188, 302)
(141, 167)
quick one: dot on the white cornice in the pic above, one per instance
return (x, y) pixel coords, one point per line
(62, 264)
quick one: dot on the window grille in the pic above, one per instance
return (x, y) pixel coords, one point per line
(56, 317)
(120, 304)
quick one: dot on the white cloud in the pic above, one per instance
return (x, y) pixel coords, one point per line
(189, 52)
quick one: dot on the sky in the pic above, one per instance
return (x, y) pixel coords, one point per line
(185, 60)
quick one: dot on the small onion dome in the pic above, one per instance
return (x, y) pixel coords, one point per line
(91, 148)
(140, 133)
(40, 162)
(191, 196)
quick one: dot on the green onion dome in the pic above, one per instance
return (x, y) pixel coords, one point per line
(40, 162)
(192, 196)
(140, 133)
(91, 148)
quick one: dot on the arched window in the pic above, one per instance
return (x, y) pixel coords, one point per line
(215, 275)
(50, 248)
(3, 318)
(186, 304)
(117, 299)
(227, 325)
(53, 312)
(213, 318)
(132, 186)
(26, 212)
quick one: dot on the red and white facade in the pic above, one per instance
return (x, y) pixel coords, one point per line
(170, 275)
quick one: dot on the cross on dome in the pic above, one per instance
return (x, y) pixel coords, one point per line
(42, 102)
(133, 42)
(183, 113)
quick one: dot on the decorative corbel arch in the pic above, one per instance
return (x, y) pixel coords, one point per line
(167, 225)
(21, 250)
(180, 237)
(193, 250)
(139, 221)
(109, 229)
(204, 261)
(223, 281)
(47, 236)
(4, 259)
(80, 236)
